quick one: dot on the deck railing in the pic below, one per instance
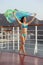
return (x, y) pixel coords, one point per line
(11, 34)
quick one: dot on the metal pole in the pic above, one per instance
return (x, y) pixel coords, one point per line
(35, 50)
(8, 40)
(18, 37)
(13, 39)
(2, 37)
(5, 39)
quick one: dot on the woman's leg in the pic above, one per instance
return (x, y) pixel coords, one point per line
(22, 48)
(24, 39)
(21, 43)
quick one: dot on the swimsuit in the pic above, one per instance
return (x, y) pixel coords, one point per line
(24, 26)
(24, 35)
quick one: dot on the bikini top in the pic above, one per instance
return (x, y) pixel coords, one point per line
(24, 26)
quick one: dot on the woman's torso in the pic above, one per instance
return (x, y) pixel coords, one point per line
(24, 28)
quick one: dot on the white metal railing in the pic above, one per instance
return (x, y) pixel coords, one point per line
(15, 37)
(2, 40)
(35, 50)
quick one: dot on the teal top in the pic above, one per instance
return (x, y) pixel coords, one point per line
(24, 26)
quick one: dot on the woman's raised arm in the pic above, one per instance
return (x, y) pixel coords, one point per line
(31, 20)
(17, 19)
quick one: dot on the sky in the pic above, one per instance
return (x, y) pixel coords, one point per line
(32, 6)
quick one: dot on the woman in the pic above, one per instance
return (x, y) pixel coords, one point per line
(24, 26)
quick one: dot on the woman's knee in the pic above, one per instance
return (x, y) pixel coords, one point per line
(22, 39)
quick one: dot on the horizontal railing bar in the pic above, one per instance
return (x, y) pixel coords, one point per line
(32, 48)
(34, 44)
(34, 30)
(29, 45)
(19, 25)
(17, 39)
(20, 30)
(34, 39)
(39, 30)
(40, 35)
(34, 35)
(16, 35)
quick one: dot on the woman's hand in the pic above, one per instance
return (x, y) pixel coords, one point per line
(32, 19)
(14, 13)
(17, 18)
(35, 14)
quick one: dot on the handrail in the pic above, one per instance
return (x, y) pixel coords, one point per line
(15, 34)
(19, 25)
(36, 25)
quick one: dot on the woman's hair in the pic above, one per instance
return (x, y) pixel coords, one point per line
(22, 19)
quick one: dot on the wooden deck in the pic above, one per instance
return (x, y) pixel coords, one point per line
(16, 59)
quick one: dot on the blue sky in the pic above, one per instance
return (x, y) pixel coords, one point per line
(33, 6)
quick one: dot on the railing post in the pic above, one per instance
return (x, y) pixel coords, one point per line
(8, 40)
(5, 39)
(18, 36)
(13, 39)
(35, 50)
(2, 37)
